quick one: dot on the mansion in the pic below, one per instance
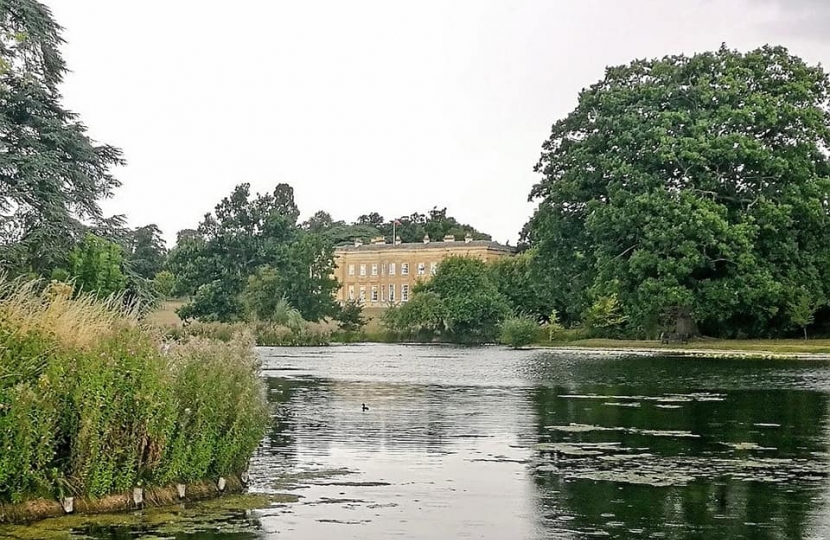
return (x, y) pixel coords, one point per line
(379, 274)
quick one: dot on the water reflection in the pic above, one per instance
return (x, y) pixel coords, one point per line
(489, 443)
(678, 448)
(735, 464)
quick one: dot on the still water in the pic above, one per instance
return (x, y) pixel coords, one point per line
(497, 444)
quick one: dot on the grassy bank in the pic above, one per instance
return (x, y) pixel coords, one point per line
(784, 347)
(92, 403)
(263, 334)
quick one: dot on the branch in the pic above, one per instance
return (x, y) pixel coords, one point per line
(627, 251)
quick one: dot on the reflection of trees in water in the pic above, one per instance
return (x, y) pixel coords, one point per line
(316, 414)
(705, 507)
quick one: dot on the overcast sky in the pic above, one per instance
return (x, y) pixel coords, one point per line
(363, 106)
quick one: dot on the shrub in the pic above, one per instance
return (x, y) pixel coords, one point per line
(90, 405)
(265, 334)
(164, 283)
(605, 318)
(350, 317)
(519, 332)
(555, 328)
(221, 412)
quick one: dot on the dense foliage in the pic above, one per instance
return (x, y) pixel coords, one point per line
(89, 405)
(94, 266)
(411, 228)
(254, 244)
(690, 189)
(51, 174)
(350, 318)
(461, 304)
(518, 332)
(146, 251)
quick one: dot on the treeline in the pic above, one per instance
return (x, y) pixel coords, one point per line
(686, 195)
(690, 195)
(251, 254)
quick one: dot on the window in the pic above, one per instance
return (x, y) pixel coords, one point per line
(383, 269)
(362, 269)
(351, 269)
(363, 294)
(433, 268)
(391, 292)
(374, 293)
(422, 269)
(351, 292)
(382, 294)
(404, 293)
(405, 269)
(374, 269)
(391, 269)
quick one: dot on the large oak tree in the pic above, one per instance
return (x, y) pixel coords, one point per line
(692, 186)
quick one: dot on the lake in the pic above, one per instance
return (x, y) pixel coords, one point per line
(498, 444)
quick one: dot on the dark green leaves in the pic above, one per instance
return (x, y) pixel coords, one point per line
(689, 184)
(52, 175)
(250, 252)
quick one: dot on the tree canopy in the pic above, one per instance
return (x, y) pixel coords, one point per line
(410, 228)
(461, 304)
(690, 185)
(146, 250)
(253, 244)
(52, 175)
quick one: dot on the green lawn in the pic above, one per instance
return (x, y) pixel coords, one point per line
(772, 346)
(165, 315)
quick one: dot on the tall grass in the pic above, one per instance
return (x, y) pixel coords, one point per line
(90, 405)
(265, 334)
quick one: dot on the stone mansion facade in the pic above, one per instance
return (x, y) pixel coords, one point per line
(380, 274)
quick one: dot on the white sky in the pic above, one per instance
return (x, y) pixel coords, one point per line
(363, 106)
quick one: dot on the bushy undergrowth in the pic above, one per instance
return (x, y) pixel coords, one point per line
(518, 332)
(90, 405)
(265, 334)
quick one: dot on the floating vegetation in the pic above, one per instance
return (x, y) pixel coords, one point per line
(353, 484)
(637, 477)
(666, 433)
(612, 462)
(666, 398)
(584, 428)
(634, 404)
(748, 446)
(230, 514)
(344, 522)
(301, 479)
(576, 449)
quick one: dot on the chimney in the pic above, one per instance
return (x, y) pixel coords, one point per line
(468, 238)
(449, 238)
(397, 240)
(426, 239)
(358, 242)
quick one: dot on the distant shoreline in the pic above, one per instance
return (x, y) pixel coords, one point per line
(736, 349)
